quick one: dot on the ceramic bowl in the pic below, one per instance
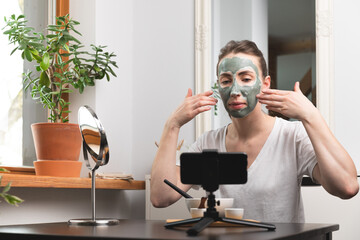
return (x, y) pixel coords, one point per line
(224, 203)
(58, 168)
(235, 213)
(197, 212)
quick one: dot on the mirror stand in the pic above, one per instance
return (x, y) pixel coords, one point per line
(94, 143)
(93, 221)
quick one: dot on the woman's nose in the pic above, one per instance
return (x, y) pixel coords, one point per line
(235, 90)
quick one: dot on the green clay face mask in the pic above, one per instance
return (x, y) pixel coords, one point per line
(242, 79)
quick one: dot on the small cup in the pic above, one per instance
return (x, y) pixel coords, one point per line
(235, 213)
(197, 212)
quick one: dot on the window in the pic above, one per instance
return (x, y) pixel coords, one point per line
(11, 116)
(17, 109)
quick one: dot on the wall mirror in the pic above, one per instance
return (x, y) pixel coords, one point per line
(311, 41)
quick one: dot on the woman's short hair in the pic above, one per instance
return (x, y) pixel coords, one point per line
(244, 46)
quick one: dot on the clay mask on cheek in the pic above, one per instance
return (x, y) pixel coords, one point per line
(248, 93)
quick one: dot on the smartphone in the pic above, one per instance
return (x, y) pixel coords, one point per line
(211, 168)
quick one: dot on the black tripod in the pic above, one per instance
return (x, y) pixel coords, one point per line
(210, 216)
(210, 169)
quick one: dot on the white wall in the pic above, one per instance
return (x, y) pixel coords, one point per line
(156, 66)
(59, 205)
(320, 206)
(347, 50)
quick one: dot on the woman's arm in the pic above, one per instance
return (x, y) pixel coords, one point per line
(335, 170)
(164, 165)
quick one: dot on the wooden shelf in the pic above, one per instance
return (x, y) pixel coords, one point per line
(33, 181)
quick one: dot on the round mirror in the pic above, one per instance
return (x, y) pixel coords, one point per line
(94, 138)
(94, 142)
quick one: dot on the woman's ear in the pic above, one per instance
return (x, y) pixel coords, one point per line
(266, 82)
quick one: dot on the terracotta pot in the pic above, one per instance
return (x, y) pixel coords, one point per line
(57, 141)
(58, 168)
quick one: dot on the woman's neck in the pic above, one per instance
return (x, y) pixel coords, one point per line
(253, 124)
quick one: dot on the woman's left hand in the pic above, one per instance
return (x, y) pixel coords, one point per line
(293, 104)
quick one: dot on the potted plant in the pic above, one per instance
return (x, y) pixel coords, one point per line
(61, 65)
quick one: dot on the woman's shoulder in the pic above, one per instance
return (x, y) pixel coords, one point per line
(214, 133)
(288, 127)
(212, 139)
(288, 123)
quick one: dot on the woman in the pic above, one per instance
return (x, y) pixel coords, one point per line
(279, 152)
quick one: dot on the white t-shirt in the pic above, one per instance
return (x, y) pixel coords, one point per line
(273, 190)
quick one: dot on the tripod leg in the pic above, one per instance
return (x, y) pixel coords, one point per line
(182, 222)
(250, 223)
(204, 222)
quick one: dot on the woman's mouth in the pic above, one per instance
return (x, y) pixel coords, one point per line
(237, 105)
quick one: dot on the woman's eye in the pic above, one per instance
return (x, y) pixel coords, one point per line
(246, 79)
(225, 82)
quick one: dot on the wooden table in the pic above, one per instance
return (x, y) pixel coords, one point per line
(146, 229)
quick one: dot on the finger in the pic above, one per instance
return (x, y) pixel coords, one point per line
(202, 109)
(204, 103)
(274, 91)
(275, 109)
(271, 97)
(297, 88)
(207, 98)
(189, 93)
(202, 100)
(207, 93)
(272, 104)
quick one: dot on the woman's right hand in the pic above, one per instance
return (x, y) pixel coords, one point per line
(192, 106)
(164, 166)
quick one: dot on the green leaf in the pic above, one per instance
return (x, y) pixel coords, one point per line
(44, 79)
(9, 31)
(35, 55)
(36, 45)
(6, 188)
(37, 58)
(28, 54)
(13, 200)
(97, 69)
(13, 51)
(66, 47)
(45, 63)
(111, 71)
(34, 51)
(72, 28)
(81, 88)
(51, 36)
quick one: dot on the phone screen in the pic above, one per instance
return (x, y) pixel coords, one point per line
(211, 167)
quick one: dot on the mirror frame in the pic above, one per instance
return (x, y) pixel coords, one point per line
(324, 59)
(101, 158)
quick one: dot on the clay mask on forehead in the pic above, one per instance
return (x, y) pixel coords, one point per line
(248, 93)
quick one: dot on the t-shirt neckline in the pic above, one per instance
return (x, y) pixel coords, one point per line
(258, 157)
